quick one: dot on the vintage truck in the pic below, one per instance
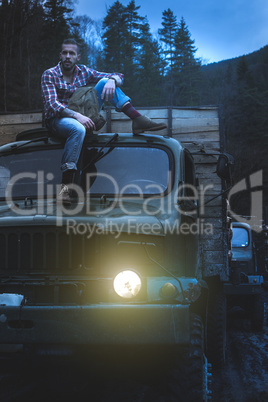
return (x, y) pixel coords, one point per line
(141, 257)
(245, 288)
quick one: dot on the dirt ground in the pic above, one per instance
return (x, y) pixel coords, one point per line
(244, 378)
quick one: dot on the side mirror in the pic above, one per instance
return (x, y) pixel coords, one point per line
(225, 167)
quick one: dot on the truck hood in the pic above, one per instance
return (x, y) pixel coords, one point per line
(100, 217)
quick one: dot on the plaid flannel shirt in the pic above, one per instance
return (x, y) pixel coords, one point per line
(56, 92)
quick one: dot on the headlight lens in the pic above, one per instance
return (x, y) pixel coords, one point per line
(127, 284)
(169, 290)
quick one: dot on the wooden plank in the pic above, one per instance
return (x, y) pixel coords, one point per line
(206, 181)
(198, 136)
(123, 126)
(182, 116)
(206, 158)
(206, 167)
(195, 113)
(207, 175)
(209, 192)
(195, 125)
(20, 118)
(14, 129)
(154, 114)
(9, 133)
(180, 113)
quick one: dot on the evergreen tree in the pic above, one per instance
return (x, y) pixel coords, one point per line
(167, 36)
(30, 39)
(57, 26)
(186, 67)
(21, 23)
(132, 42)
(115, 30)
(150, 71)
(122, 30)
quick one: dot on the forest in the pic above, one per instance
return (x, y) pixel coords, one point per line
(160, 70)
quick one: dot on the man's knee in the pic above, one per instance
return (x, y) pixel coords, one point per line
(78, 129)
(80, 133)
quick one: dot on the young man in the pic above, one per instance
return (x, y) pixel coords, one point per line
(58, 84)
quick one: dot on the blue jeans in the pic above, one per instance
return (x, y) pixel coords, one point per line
(74, 132)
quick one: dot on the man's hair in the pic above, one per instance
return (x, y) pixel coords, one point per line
(71, 41)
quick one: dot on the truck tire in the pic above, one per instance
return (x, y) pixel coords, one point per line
(257, 313)
(189, 378)
(216, 330)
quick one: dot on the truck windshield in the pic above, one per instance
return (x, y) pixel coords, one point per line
(127, 171)
(122, 170)
(30, 173)
(240, 237)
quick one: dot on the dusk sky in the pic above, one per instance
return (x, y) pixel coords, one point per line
(221, 29)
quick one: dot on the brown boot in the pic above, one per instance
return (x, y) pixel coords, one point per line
(64, 197)
(143, 123)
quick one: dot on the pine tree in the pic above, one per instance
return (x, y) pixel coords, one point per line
(57, 26)
(132, 40)
(21, 23)
(167, 36)
(186, 67)
(114, 26)
(122, 27)
(150, 71)
(30, 38)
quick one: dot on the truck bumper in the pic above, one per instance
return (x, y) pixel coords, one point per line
(100, 324)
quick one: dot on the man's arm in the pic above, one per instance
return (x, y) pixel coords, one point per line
(50, 96)
(94, 76)
(84, 120)
(56, 108)
(114, 80)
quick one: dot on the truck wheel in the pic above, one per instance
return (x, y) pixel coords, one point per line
(257, 313)
(216, 335)
(191, 371)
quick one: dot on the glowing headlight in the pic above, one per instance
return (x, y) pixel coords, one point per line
(127, 284)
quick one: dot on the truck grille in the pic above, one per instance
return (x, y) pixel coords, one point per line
(44, 250)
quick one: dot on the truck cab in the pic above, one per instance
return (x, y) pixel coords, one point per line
(120, 267)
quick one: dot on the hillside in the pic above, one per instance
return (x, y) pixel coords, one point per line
(240, 85)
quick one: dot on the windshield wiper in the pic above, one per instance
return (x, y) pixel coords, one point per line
(15, 146)
(100, 154)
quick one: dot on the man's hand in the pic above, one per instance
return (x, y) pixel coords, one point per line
(108, 90)
(86, 121)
